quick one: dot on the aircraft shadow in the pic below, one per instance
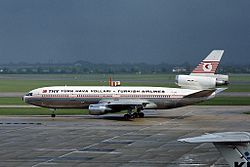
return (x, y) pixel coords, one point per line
(121, 118)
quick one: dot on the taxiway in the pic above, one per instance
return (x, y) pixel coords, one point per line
(108, 140)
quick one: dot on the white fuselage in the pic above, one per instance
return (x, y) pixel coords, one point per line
(83, 96)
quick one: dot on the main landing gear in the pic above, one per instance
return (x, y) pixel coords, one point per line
(133, 114)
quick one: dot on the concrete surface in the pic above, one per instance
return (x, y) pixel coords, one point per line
(111, 141)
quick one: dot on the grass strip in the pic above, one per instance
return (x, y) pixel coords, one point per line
(11, 101)
(227, 101)
(41, 111)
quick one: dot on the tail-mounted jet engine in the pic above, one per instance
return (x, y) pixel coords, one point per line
(221, 80)
(201, 82)
(195, 82)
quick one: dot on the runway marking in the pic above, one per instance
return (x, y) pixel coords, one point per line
(20, 123)
(48, 149)
(66, 154)
(99, 152)
(107, 140)
(119, 141)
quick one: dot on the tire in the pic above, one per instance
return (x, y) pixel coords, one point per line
(135, 115)
(141, 115)
(127, 116)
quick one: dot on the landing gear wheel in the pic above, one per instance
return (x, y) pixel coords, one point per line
(135, 115)
(53, 115)
(141, 115)
(127, 116)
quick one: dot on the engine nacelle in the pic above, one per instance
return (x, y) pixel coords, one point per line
(221, 80)
(98, 109)
(195, 82)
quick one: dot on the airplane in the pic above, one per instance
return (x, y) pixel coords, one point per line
(233, 146)
(199, 86)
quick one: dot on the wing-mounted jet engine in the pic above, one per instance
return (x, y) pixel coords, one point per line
(98, 109)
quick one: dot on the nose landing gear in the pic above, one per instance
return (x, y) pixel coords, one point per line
(53, 115)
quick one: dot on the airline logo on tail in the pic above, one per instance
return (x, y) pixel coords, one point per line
(210, 63)
(207, 67)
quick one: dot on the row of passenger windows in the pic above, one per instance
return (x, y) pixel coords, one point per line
(147, 96)
(55, 96)
(110, 96)
(94, 96)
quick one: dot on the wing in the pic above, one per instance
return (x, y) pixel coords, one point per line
(225, 137)
(205, 93)
(105, 106)
(234, 146)
(123, 104)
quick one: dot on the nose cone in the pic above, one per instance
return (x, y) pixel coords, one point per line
(24, 99)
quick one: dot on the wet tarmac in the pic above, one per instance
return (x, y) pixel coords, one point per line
(109, 140)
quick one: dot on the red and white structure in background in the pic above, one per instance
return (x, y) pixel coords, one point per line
(114, 83)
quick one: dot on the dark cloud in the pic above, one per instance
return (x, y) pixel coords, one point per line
(117, 31)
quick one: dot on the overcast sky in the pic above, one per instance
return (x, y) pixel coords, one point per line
(124, 31)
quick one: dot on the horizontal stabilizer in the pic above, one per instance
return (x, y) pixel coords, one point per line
(219, 90)
(200, 94)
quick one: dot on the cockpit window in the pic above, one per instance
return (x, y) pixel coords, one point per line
(29, 94)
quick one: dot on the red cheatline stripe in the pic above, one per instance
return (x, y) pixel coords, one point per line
(199, 68)
(203, 71)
